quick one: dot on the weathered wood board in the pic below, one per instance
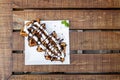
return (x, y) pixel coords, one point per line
(5, 41)
(66, 3)
(65, 77)
(79, 19)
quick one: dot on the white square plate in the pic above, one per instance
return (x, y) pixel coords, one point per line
(32, 57)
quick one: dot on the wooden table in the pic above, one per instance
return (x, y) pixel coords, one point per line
(94, 39)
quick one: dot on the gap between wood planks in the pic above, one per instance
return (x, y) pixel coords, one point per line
(81, 51)
(21, 9)
(81, 30)
(65, 73)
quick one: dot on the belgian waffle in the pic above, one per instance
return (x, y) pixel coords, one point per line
(51, 44)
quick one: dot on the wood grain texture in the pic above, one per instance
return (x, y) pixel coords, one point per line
(5, 1)
(82, 41)
(79, 63)
(79, 19)
(5, 40)
(5, 8)
(65, 77)
(66, 3)
(18, 40)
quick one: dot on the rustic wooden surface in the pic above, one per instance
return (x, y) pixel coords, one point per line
(6, 1)
(94, 25)
(66, 3)
(5, 40)
(79, 63)
(79, 19)
(65, 77)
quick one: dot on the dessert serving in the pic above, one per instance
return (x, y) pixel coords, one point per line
(45, 42)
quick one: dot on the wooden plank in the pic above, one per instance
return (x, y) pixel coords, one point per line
(5, 8)
(5, 54)
(18, 40)
(5, 39)
(79, 19)
(65, 77)
(5, 1)
(66, 3)
(82, 41)
(5, 60)
(79, 63)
